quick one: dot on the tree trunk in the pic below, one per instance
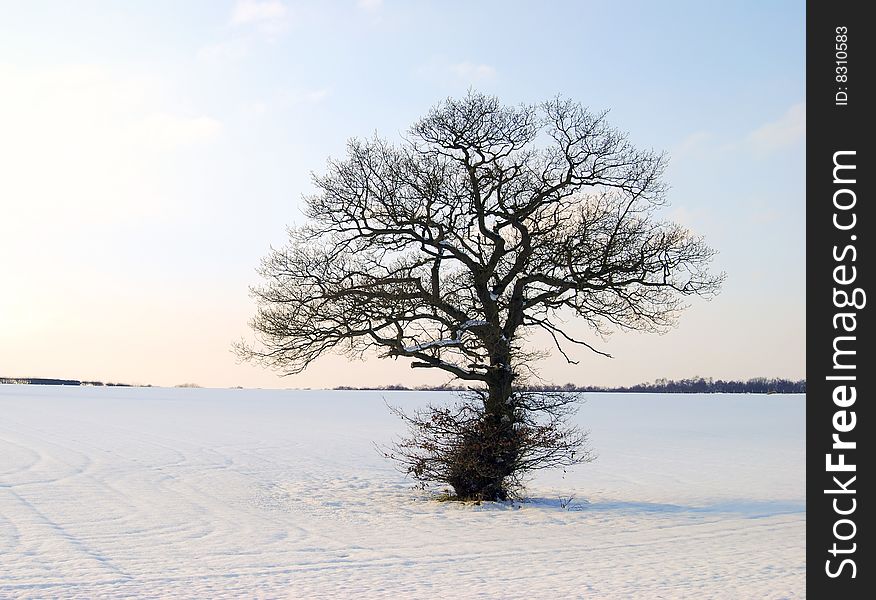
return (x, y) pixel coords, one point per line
(498, 432)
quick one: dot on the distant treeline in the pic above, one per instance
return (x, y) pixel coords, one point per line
(49, 381)
(695, 385)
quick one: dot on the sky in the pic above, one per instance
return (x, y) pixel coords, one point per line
(152, 152)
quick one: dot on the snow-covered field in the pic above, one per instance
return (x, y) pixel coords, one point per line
(196, 493)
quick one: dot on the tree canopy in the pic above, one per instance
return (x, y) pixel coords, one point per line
(485, 221)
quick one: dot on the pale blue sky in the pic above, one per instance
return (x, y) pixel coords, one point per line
(151, 151)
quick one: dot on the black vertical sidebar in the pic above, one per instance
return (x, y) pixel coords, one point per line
(839, 272)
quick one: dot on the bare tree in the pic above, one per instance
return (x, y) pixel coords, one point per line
(485, 223)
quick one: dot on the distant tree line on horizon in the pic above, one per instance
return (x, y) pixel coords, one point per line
(75, 382)
(694, 385)
(52, 381)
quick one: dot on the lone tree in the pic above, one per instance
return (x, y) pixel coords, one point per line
(485, 223)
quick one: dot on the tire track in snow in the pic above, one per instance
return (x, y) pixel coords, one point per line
(37, 532)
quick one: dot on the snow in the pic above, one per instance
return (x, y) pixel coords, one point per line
(472, 323)
(197, 493)
(432, 344)
(452, 342)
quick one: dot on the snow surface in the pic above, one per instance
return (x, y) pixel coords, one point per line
(432, 344)
(196, 493)
(473, 323)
